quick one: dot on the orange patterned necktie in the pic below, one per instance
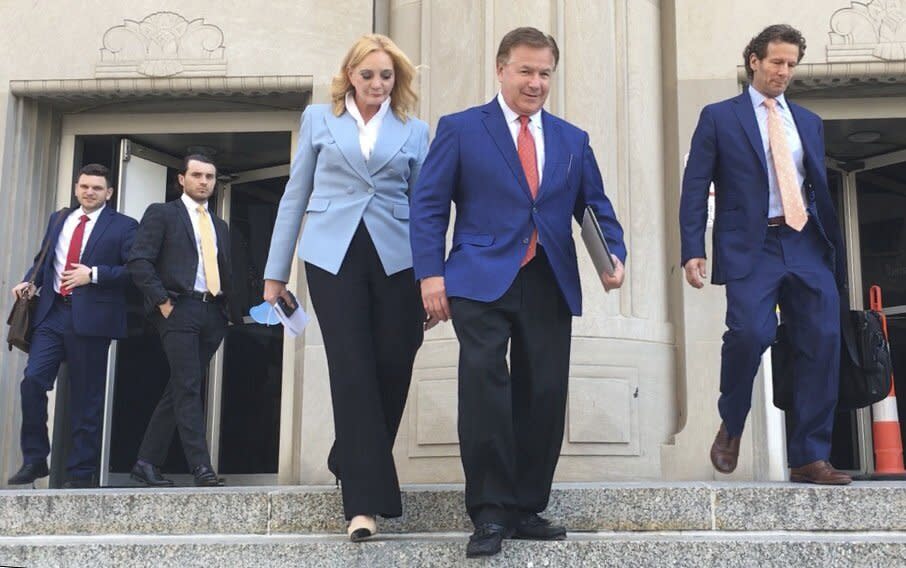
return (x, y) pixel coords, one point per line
(790, 194)
(525, 146)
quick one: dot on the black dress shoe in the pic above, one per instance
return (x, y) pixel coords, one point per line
(205, 477)
(86, 483)
(28, 473)
(149, 475)
(534, 527)
(486, 540)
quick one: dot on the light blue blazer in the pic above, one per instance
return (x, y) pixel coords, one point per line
(332, 185)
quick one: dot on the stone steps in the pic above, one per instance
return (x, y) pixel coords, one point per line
(682, 549)
(689, 506)
(610, 524)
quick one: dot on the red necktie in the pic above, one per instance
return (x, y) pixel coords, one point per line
(75, 249)
(525, 146)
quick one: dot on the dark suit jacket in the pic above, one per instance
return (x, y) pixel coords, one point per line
(474, 163)
(164, 258)
(98, 310)
(727, 149)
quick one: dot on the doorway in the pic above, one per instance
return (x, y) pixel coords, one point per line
(245, 383)
(870, 194)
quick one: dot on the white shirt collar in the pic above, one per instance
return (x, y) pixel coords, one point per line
(353, 110)
(758, 98)
(191, 204)
(512, 116)
(93, 216)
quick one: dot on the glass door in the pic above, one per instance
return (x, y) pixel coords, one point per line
(870, 196)
(246, 401)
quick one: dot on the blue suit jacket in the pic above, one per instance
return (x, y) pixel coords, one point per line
(473, 162)
(727, 149)
(98, 310)
(335, 188)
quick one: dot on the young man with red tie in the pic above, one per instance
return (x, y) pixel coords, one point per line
(82, 305)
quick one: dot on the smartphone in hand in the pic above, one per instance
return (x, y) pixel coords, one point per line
(285, 307)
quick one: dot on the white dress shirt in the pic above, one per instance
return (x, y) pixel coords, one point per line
(534, 128)
(201, 285)
(775, 205)
(368, 131)
(62, 248)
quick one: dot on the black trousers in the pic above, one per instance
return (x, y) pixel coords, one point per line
(190, 336)
(511, 421)
(372, 329)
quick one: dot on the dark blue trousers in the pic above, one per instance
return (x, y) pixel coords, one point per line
(53, 342)
(794, 271)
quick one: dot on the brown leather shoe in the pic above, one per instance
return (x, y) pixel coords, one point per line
(820, 472)
(724, 451)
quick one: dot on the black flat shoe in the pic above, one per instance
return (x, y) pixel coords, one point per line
(149, 475)
(534, 527)
(28, 473)
(487, 539)
(205, 477)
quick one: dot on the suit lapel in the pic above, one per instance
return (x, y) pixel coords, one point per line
(746, 115)
(496, 126)
(56, 229)
(183, 215)
(346, 134)
(391, 137)
(103, 221)
(553, 145)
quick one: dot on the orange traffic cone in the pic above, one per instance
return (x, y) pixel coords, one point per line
(885, 427)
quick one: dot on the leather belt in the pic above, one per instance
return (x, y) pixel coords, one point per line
(205, 297)
(777, 221)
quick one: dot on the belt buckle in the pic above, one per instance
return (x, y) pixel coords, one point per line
(207, 297)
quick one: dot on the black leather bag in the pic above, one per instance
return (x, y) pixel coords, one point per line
(19, 321)
(865, 364)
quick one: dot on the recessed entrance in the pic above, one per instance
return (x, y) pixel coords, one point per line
(867, 175)
(244, 385)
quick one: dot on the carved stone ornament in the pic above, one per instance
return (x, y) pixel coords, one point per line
(164, 44)
(873, 30)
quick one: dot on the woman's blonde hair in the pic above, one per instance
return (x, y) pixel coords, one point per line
(402, 97)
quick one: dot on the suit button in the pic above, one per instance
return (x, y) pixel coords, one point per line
(370, 190)
(534, 209)
(349, 190)
(525, 241)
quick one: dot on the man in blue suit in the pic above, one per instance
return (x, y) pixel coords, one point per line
(776, 241)
(82, 305)
(518, 175)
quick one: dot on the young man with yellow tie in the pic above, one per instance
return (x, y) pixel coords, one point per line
(181, 263)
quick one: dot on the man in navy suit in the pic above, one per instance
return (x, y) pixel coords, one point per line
(518, 176)
(82, 305)
(776, 241)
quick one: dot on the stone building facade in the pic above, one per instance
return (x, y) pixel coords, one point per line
(138, 84)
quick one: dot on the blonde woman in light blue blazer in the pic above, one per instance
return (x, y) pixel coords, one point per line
(351, 179)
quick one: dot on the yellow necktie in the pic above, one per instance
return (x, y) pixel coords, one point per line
(790, 194)
(208, 254)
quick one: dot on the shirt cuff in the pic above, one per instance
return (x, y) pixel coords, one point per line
(94, 274)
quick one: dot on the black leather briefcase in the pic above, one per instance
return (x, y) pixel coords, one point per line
(865, 364)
